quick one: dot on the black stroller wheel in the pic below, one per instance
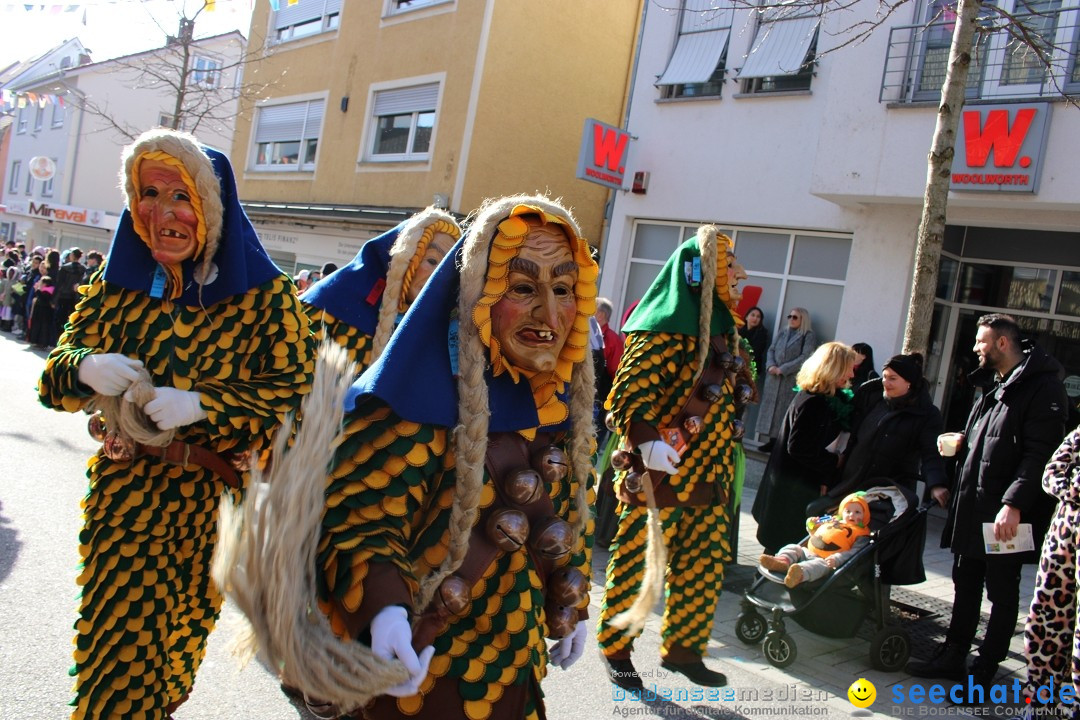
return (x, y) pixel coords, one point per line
(750, 627)
(779, 649)
(890, 649)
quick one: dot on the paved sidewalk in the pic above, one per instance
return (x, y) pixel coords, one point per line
(832, 665)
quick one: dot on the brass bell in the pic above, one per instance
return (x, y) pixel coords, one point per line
(561, 620)
(117, 447)
(553, 538)
(725, 360)
(713, 393)
(609, 423)
(621, 460)
(551, 463)
(633, 482)
(96, 427)
(454, 595)
(523, 487)
(242, 461)
(508, 529)
(567, 586)
(694, 424)
(737, 429)
(742, 394)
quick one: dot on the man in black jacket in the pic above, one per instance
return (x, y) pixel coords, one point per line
(1011, 432)
(68, 279)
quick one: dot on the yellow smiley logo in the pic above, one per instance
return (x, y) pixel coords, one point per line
(862, 693)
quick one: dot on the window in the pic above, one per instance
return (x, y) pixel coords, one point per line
(29, 183)
(287, 136)
(400, 6)
(1032, 57)
(697, 65)
(57, 114)
(13, 184)
(782, 54)
(165, 120)
(404, 120)
(936, 42)
(39, 118)
(306, 18)
(24, 118)
(206, 72)
(47, 186)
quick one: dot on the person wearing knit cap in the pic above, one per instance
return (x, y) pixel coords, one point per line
(894, 432)
(673, 406)
(833, 541)
(193, 347)
(359, 305)
(457, 496)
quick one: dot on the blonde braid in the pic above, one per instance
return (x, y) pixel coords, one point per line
(582, 438)
(706, 236)
(470, 436)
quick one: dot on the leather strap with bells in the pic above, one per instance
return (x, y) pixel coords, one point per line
(685, 426)
(521, 516)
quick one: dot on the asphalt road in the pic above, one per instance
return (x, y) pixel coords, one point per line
(44, 457)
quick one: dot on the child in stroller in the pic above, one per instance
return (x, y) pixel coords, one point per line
(836, 604)
(833, 541)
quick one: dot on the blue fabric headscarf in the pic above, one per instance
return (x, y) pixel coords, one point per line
(241, 261)
(352, 294)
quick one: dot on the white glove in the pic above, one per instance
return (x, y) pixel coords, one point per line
(566, 651)
(658, 455)
(391, 637)
(172, 408)
(109, 374)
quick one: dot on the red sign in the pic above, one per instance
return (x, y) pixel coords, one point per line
(604, 153)
(1000, 147)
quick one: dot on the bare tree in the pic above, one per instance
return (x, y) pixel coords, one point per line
(200, 84)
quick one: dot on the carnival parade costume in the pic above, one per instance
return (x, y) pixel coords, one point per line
(671, 388)
(224, 325)
(358, 305)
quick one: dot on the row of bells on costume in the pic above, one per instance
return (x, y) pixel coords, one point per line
(693, 425)
(509, 529)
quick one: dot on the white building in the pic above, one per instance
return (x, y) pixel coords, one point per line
(817, 171)
(76, 200)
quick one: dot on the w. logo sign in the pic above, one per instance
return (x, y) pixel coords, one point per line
(999, 148)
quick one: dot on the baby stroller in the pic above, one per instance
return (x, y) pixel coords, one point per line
(836, 605)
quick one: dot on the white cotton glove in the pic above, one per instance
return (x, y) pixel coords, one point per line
(658, 455)
(172, 408)
(566, 651)
(391, 637)
(109, 374)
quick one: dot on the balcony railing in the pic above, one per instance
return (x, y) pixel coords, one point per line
(1002, 66)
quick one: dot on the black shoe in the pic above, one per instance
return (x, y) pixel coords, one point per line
(623, 674)
(767, 447)
(946, 662)
(696, 672)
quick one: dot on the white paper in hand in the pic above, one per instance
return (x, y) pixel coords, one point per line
(1021, 543)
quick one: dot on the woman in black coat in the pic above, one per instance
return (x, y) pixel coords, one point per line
(757, 335)
(804, 463)
(864, 366)
(894, 433)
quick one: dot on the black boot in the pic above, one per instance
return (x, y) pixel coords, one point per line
(623, 674)
(948, 662)
(696, 672)
(983, 673)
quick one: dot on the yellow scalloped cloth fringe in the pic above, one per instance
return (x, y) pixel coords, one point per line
(173, 270)
(439, 226)
(508, 242)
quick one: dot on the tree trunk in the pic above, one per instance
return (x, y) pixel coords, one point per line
(938, 174)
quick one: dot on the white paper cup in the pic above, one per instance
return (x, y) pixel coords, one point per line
(948, 444)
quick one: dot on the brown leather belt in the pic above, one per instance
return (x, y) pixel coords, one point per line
(182, 453)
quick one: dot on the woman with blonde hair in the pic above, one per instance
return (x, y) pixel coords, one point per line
(787, 353)
(805, 462)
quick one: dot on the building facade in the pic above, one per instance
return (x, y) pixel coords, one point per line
(72, 117)
(381, 108)
(811, 152)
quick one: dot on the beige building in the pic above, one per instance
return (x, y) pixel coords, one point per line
(381, 108)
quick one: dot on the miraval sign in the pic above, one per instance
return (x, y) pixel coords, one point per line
(1000, 148)
(64, 213)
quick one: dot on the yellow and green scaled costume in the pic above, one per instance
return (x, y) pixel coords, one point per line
(241, 341)
(400, 473)
(655, 378)
(347, 305)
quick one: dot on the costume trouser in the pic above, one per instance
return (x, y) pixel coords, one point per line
(148, 602)
(813, 567)
(1001, 576)
(697, 540)
(444, 702)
